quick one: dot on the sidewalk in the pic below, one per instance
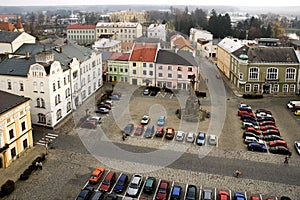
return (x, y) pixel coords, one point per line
(16, 168)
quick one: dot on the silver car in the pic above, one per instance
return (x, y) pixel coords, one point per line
(134, 185)
(190, 137)
(179, 136)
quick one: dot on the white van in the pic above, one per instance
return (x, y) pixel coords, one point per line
(291, 104)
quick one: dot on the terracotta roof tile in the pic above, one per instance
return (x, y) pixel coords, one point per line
(119, 56)
(7, 26)
(144, 52)
(181, 43)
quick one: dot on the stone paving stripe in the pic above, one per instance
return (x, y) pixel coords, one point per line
(52, 137)
(43, 144)
(51, 134)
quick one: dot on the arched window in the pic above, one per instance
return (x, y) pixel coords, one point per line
(42, 103)
(41, 118)
(68, 106)
(58, 114)
(38, 102)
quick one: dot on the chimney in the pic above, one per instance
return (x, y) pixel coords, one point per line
(27, 55)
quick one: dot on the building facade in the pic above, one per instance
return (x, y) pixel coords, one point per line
(118, 67)
(82, 34)
(57, 79)
(123, 31)
(129, 16)
(266, 70)
(107, 45)
(158, 31)
(15, 127)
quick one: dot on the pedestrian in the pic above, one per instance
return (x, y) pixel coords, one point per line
(286, 160)
(123, 137)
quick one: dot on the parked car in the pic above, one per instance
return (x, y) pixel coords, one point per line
(263, 114)
(102, 110)
(94, 118)
(271, 137)
(89, 124)
(249, 124)
(243, 117)
(280, 150)
(97, 195)
(128, 129)
(212, 140)
(114, 97)
(271, 132)
(176, 192)
(121, 183)
(190, 137)
(200, 138)
(161, 121)
(169, 133)
(179, 136)
(111, 196)
(254, 146)
(146, 91)
(117, 93)
(191, 192)
(96, 175)
(134, 185)
(104, 106)
(160, 131)
(267, 127)
(149, 131)
(297, 112)
(162, 192)
(297, 146)
(139, 130)
(206, 194)
(263, 123)
(145, 120)
(245, 112)
(263, 110)
(253, 139)
(250, 134)
(108, 181)
(223, 195)
(254, 198)
(253, 130)
(149, 185)
(239, 196)
(86, 193)
(249, 120)
(260, 119)
(275, 143)
(244, 106)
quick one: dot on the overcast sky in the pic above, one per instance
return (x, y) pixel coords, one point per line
(254, 3)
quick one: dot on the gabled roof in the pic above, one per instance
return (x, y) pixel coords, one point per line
(119, 56)
(180, 58)
(105, 55)
(181, 43)
(8, 36)
(230, 45)
(7, 26)
(144, 52)
(260, 54)
(9, 101)
(81, 26)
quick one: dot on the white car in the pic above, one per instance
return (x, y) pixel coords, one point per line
(134, 185)
(212, 140)
(245, 106)
(94, 118)
(145, 120)
(297, 146)
(190, 137)
(263, 114)
(179, 136)
(253, 139)
(248, 124)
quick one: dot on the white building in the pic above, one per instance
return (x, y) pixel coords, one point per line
(57, 79)
(123, 31)
(105, 44)
(11, 41)
(158, 31)
(203, 40)
(82, 34)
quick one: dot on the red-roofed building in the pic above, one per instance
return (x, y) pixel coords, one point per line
(142, 64)
(178, 42)
(7, 26)
(118, 67)
(82, 34)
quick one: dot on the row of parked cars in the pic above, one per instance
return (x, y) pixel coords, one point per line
(107, 185)
(260, 129)
(168, 133)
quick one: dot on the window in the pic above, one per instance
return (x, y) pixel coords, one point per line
(121, 70)
(144, 65)
(41, 87)
(34, 86)
(68, 106)
(179, 69)
(144, 72)
(13, 152)
(248, 88)
(290, 74)
(126, 70)
(190, 69)
(241, 76)
(25, 144)
(179, 75)
(272, 73)
(58, 84)
(65, 81)
(160, 75)
(41, 118)
(8, 85)
(134, 64)
(285, 88)
(151, 65)
(160, 67)
(23, 126)
(253, 73)
(255, 88)
(58, 114)
(169, 67)
(75, 74)
(54, 87)
(11, 134)
(275, 88)
(151, 73)
(169, 75)
(292, 88)
(21, 86)
(40, 103)
(134, 71)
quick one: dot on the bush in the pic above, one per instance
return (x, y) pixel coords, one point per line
(24, 176)
(7, 188)
(252, 96)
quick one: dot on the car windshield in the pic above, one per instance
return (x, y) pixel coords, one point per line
(145, 118)
(105, 182)
(120, 182)
(162, 190)
(93, 176)
(134, 185)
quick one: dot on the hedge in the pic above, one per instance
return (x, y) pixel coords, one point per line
(7, 188)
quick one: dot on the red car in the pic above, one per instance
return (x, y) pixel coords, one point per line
(96, 175)
(245, 112)
(139, 130)
(253, 130)
(267, 127)
(160, 131)
(169, 133)
(278, 143)
(263, 123)
(223, 195)
(254, 198)
(271, 132)
(162, 193)
(108, 181)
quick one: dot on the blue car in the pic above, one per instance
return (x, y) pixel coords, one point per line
(253, 146)
(161, 121)
(239, 196)
(176, 192)
(121, 183)
(250, 121)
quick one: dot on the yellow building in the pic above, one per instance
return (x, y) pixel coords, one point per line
(130, 16)
(15, 127)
